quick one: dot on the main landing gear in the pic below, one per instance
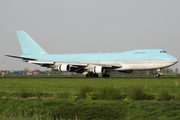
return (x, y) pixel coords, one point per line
(106, 75)
(96, 75)
(92, 75)
(158, 72)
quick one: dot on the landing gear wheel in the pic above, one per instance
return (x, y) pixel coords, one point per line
(91, 75)
(157, 75)
(96, 75)
(87, 75)
(158, 72)
(105, 75)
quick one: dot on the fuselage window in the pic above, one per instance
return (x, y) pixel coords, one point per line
(162, 51)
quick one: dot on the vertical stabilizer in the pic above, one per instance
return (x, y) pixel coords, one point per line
(28, 45)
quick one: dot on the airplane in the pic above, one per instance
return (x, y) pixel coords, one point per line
(94, 64)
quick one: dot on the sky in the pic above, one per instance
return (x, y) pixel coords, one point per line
(89, 26)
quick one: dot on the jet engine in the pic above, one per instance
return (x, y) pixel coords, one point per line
(98, 69)
(62, 68)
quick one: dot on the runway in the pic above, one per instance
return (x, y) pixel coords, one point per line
(99, 77)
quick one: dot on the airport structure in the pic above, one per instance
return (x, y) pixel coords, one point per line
(3, 69)
(94, 64)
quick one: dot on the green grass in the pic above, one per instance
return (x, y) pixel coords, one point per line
(164, 95)
(87, 110)
(71, 85)
(60, 90)
(136, 93)
(83, 90)
(23, 92)
(37, 93)
(109, 93)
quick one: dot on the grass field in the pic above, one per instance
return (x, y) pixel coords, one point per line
(34, 109)
(151, 85)
(65, 106)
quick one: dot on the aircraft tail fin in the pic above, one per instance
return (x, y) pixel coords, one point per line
(28, 45)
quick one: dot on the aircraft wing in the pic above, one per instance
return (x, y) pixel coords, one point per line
(75, 66)
(43, 63)
(109, 65)
(78, 67)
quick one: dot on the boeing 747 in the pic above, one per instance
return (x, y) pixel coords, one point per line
(94, 64)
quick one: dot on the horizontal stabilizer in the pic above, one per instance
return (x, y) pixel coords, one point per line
(23, 58)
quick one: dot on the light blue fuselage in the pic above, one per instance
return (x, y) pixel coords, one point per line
(135, 55)
(130, 60)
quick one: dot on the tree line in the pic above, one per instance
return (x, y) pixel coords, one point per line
(164, 71)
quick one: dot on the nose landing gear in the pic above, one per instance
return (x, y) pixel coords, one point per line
(158, 72)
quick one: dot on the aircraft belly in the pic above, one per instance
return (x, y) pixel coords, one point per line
(144, 65)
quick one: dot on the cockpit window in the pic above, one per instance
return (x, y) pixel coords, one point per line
(162, 51)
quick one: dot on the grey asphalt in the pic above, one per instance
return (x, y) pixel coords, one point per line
(102, 77)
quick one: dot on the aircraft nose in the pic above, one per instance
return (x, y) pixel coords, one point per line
(171, 59)
(175, 60)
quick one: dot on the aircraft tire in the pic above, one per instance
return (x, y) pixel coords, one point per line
(87, 75)
(105, 75)
(96, 75)
(157, 75)
(91, 75)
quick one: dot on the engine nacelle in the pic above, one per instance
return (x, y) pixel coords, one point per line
(98, 69)
(63, 67)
